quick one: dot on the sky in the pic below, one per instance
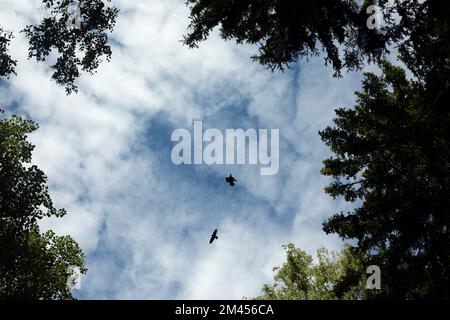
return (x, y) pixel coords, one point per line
(144, 223)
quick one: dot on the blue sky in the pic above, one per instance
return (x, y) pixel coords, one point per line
(143, 222)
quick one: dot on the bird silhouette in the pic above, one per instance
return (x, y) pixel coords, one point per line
(213, 236)
(230, 180)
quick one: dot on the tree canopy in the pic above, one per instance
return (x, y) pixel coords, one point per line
(391, 153)
(299, 278)
(37, 266)
(285, 30)
(89, 40)
(7, 64)
(33, 265)
(77, 31)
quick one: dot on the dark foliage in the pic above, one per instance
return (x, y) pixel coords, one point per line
(7, 65)
(392, 153)
(32, 265)
(285, 30)
(79, 49)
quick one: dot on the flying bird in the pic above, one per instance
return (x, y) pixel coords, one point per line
(230, 180)
(214, 236)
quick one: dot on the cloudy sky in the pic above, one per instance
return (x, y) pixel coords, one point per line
(143, 222)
